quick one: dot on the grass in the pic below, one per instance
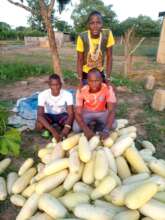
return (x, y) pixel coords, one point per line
(11, 72)
(147, 48)
(120, 80)
(11, 42)
(18, 71)
(122, 110)
(155, 125)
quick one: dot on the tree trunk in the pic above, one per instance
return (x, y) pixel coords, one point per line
(129, 63)
(126, 54)
(53, 48)
(46, 15)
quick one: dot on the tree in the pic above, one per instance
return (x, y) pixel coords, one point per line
(35, 20)
(144, 26)
(62, 26)
(129, 48)
(4, 26)
(134, 32)
(81, 12)
(45, 9)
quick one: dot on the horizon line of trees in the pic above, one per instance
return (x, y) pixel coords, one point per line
(144, 26)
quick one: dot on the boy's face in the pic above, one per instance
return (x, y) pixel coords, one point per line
(94, 82)
(95, 25)
(55, 86)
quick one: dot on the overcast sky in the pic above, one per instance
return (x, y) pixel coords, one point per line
(16, 16)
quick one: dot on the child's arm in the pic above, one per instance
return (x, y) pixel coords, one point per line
(80, 58)
(80, 61)
(108, 63)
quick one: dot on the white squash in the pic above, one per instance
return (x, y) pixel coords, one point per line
(120, 146)
(11, 178)
(71, 200)
(148, 145)
(127, 215)
(29, 208)
(3, 189)
(51, 206)
(51, 182)
(136, 198)
(88, 172)
(105, 186)
(82, 187)
(18, 200)
(94, 142)
(72, 178)
(136, 178)
(25, 166)
(29, 190)
(84, 150)
(91, 212)
(122, 168)
(153, 209)
(22, 182)
(56, 166)
(101, 165)
(70, 142)
(4, 164)
(111, 159)
(58, 191)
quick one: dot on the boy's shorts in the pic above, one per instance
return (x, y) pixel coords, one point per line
(59, 119)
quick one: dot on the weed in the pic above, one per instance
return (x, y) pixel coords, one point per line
(122, 110)
(154, 125)
(120, 80)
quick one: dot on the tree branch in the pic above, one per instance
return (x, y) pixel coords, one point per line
(130, 31)
(50, 8)
(138, 45)
(22, 6)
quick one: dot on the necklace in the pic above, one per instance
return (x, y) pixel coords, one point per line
(94, 53)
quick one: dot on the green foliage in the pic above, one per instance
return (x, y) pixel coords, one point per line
(81, 12)
(62, 26)
(35, 20)
(120, 80)
(122, 110)
(10, 142)
(153, 122)
(18, 71)
(10, 72)
(4, 27)
(144, 26)
(10, 139)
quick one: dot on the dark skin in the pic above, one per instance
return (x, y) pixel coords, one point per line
(95, 26)
(95, 82)
(55, 86)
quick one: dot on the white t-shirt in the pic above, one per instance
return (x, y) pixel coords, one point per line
(55, 104)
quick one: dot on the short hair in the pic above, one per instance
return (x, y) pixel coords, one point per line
(97, 13)
(96, 71)
(55, 77)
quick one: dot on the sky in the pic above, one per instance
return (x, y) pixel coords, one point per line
(16, 16)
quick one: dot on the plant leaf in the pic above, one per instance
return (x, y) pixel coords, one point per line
(3, 147)
(13, 147)
(13, 134)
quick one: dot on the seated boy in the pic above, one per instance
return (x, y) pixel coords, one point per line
(55, 106)
(95, 103)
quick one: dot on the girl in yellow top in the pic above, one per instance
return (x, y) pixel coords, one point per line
(92, 46)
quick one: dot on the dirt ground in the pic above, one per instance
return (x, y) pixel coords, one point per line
(32, 141)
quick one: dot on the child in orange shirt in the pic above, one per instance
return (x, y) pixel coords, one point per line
(95, 102)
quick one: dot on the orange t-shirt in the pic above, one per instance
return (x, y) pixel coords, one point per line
(95, 101)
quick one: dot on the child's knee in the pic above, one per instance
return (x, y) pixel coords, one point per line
(38, 126)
